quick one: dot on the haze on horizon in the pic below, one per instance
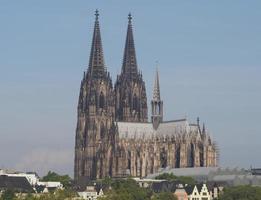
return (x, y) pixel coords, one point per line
(209, 57)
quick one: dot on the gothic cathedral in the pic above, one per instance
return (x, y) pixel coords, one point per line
(114, 137)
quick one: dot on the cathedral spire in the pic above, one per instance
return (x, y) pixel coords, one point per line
(203, 128)
(96, 62)
(129, 66)
(156, 104)
(156, 89)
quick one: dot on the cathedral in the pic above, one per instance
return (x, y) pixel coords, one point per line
(115, 138)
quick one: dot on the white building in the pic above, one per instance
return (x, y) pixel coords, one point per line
(90, 193)
(146, 182)
(199, 192)
(50, 185)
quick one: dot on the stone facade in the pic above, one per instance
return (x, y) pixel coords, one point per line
(113, 135)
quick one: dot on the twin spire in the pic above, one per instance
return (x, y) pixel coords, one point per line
(96, 61)
(129, 65)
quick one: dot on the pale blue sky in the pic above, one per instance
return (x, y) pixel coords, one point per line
(209, 55)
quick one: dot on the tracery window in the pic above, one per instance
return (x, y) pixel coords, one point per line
(135, 102)
(101, 100)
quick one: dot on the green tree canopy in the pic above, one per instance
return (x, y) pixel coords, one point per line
(58, 195)
(52, 176)
(127, 190)
(164, 196)
(8, 195)
(241, 193)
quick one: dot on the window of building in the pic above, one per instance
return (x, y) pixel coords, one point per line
(101, 100)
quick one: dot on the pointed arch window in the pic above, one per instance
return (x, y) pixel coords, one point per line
(102, 131)
(101, 101)
(135, 103)
(129, 160)
(163, 158)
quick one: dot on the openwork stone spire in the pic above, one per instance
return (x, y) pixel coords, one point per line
(156, 104)
(129, 66)
(156, 89)
(96, 62)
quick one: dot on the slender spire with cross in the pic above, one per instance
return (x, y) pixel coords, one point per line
(97, 15)
(156, 103)
(156, 89)
(96, 61)
(129, 65)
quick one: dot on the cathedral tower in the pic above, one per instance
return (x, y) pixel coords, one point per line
(156, 104)
(95, 128)
(131, 99)
(110, 139)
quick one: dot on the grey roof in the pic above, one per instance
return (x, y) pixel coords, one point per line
(189, 189)
(20, 184)
(177, 128)
(256, 171)
(164, 186)
(192, 171)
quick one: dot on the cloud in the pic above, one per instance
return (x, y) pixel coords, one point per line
(43, 160)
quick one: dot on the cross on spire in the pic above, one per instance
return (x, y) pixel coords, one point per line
(97, 14)
(129, 18)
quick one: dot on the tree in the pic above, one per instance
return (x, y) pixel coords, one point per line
(167, 176)
(127, 190)
(241, 193)
(57, 195)
(64, 179)
(164, 196)
(8, 195)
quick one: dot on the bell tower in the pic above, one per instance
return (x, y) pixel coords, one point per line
(156, 104)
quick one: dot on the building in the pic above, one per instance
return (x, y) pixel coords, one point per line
(145, 183)
(91, 193)
(221, 176)
(255, 171)
(114, 137)
(16, 183)
(188, 192)
(48, 186)
(181, 193)
(198, 192)
(26, 182)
